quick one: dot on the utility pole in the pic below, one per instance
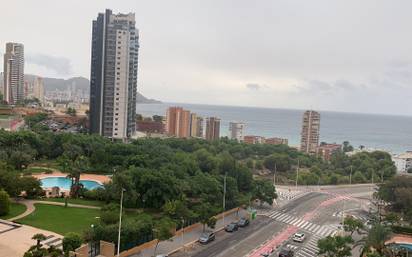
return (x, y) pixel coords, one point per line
(183, 233)
(224, 198)
(350, 176)
(120, 223)
(274, 176)
(297, 176)
(343, 213)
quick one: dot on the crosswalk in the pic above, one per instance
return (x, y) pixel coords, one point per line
(321, 230)
(52, 240)
(360, 217)
(310, 249)
(286, 195)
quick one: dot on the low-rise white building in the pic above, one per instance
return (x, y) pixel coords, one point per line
(403, 162)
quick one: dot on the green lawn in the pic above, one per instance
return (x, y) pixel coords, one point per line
(37, 170)
(76, 201)
(15, 210)
(60, 219)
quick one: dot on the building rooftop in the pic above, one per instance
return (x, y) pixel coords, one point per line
(406, 155)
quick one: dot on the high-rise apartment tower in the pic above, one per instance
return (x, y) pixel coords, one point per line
(236, 130)
(196, 126)
(178, 122)
(113, 78)
(310, 132)
(13, 86)
(212, 128)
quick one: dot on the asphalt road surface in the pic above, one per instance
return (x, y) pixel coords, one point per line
(316, 213)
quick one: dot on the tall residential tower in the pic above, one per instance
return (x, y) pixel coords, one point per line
(212, 128)
(310, 132)
(13, 86)
(113, 78)
(236, 130)
(178, 122)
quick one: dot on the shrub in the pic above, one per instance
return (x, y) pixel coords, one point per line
(71, 242)
(4, 203)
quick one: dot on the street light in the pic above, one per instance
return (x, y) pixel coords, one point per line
(120, 222)
(350, 176)
(224, 198)
(183, 232)
(297, 176)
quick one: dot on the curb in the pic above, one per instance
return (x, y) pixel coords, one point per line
(191, 243)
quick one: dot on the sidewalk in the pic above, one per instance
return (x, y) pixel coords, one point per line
(176, 243)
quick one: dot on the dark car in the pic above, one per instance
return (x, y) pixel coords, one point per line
(206, 237)
(243, 222)
(231, 227)
(286, 253)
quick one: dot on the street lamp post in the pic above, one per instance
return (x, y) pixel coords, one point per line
(274, 176)
(183, 232)
(224, 198)
(120, 223)
(350, 176)
(297, 176)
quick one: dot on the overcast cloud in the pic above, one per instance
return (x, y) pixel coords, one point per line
(325, 54)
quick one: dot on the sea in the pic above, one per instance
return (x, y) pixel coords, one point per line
(383, 132)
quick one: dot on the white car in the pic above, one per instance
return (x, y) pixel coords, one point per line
(299, 237)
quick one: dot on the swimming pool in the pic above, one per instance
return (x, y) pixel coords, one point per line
(65, 183)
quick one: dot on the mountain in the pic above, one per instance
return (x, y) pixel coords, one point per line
(80, 83)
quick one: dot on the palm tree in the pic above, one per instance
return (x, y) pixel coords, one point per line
(39, 237)
(376, 238)
(79, 165)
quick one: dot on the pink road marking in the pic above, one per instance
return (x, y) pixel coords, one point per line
(284, 235)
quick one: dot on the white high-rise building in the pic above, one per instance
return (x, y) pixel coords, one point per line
(13, 86)
(38, 89)
(236, 130)
(113, 79)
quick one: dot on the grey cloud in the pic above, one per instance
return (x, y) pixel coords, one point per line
(315, 86)
(60, 65)
(253, 86)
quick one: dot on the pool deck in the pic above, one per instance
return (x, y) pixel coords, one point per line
(400, 239)
(93, 177)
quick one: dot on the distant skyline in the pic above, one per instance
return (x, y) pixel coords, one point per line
(350, 56)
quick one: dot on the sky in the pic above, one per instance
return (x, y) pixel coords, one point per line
(338, 55)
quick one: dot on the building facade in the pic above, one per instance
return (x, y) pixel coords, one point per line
(403, 162)
(13, 75)
(38, 89)
(276, 141)
(178, 122)
(150, 126)
(236, 130)
(325, 151)
(251, 139)
(113, 78)
(196, 126)
(310, 132)
(212, 128)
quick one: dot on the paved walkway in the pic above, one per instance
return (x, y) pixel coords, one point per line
(16, 242)
(179, 241)
(31, 208)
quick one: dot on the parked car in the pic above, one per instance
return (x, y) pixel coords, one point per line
(206, 237)
(243, 222)
(286, 253)
(162, 255)
(299, 237)
(231, 227)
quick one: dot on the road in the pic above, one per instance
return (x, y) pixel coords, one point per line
(314, 211)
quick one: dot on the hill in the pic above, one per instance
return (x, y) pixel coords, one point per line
(80, 83)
